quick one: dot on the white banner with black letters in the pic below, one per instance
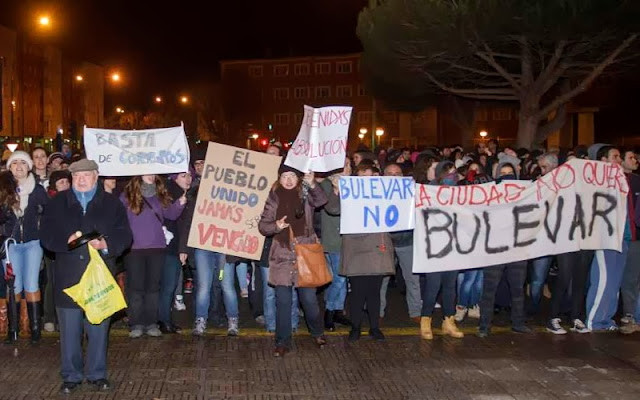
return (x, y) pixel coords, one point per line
(579, 205)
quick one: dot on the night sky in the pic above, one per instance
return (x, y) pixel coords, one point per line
(166, 47)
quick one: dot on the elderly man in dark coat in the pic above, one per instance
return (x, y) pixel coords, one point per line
(86, 207)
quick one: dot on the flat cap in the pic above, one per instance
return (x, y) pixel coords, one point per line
(83, 165)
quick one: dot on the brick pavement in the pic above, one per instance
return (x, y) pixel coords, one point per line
(503, 366)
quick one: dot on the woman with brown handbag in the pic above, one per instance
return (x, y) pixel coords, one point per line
(290, 206)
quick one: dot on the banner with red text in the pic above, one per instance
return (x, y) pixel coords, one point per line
(234, 188)
(579, 205)
(321, 145)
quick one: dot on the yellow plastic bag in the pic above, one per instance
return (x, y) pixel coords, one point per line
(97, 293)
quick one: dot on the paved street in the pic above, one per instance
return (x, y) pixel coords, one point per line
(503, 366)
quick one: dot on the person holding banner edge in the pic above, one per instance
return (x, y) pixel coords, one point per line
(516, 273)
(432, 283)
(366, 259)
(287, 208)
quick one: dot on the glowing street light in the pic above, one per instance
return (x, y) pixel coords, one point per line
(361, 135)
(120, 110)
(184, 99)
(44, 20)
(379, 132)
(363, 131)
(115, 77)
(483, 134)
(255, 136)
(79, 78)
(158, 99)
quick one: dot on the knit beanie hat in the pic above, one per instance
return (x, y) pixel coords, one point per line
(20, 155)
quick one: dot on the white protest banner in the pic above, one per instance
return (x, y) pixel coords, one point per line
(376, 204)
(579, 205)
(321, 145)
(138, 152)
(233, 191)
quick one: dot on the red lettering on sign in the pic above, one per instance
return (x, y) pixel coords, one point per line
(221, 210)
(512, 191)
(478, 195)
(423, 196)
(219, 237)
(607, 175)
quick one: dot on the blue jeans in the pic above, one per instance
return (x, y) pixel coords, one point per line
(73, 325)
(269, 305)
(469, 287)
(605, 279)
(539, 271)
(170, 275)
(25, 260)
(285, 307)
(208, 265)
(241, 272)
(229, 293)
(336, 293)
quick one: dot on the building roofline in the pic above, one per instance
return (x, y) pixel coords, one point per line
(287, 59)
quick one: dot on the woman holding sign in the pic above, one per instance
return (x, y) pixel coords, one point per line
(290, 206)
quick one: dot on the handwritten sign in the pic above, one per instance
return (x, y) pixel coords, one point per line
(376, 204)
(579, 205)
(233, 191)
(321, 145)
(138, 152)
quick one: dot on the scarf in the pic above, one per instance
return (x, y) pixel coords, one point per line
(288, 202)
(25, 188)
(148, 189)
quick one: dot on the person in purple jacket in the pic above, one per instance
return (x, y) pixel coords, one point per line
(148, 204)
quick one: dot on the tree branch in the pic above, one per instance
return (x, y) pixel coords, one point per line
(492, 62)
(478, 94)
(588, 80)
(548, 73)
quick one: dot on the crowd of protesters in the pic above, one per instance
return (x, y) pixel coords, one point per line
(49, 200)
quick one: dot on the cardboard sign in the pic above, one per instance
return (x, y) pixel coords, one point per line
(138, 152)
(579, 205)
(233, 191)
(321, 145)
(376, 204)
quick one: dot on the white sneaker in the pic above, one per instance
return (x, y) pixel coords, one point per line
(554, 327)
(474, 312)
(232, 327)
(438, 305)
(579, 327)
(178, 303)
(199, 327)
(244, 293)
(49, 327)
(461, 312)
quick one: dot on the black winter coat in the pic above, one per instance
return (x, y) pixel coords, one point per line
(25, 229)
(64, 216)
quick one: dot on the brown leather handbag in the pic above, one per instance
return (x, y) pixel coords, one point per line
(310, 263)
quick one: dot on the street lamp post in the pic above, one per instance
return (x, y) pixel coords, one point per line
(379, 132)
(363, 132)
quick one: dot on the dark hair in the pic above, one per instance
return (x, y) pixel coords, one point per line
(392, 164)
(39, 148)
(365, 165)
(506, 165)
(604, 152)
(8, 195)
